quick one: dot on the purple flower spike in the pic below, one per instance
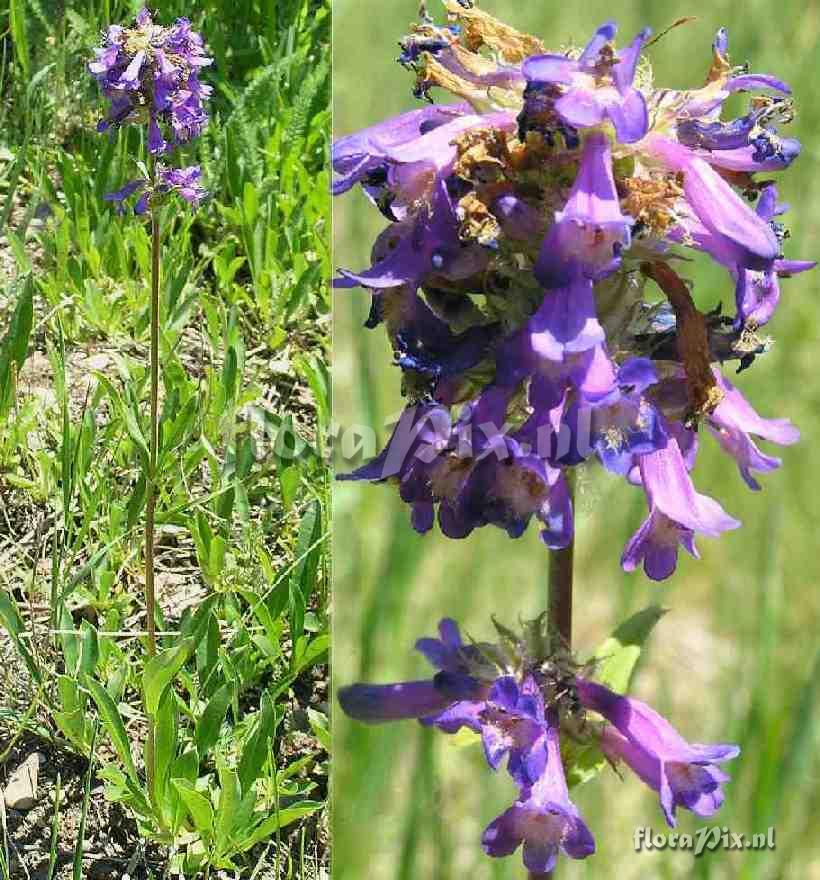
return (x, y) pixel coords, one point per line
(524, 227)
(154, 67)
(684, 774)
(544, 819)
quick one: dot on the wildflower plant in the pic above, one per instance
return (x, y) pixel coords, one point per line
(150, 75)
(531, 285)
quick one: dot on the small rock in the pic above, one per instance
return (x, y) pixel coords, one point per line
(21, 789)
(97, 362)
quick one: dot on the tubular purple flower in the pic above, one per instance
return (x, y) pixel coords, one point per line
(566, 323)
(107, 57)
(144, 18)
(156, 142)
(734, 421)
(424, 343)
(358, 155)
(591, 230)
(669, 489)
(757, 293)
(184, 181)
(448, 652)
(427, 245)
(507, 489)
(781, 153)
(676, 513)
(407, 168)
(422, 431)
(130, 79)
(376, 703)
(510, 721)
(596, 87)
(623, 428)
(656, 545)
(456, 681)
(719, 208)
(544, 819)
(684, 774)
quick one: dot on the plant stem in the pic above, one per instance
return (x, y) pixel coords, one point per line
(560, 594)
(153, 442)
(559, 603)
(151, 484)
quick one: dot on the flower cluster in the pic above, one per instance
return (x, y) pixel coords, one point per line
(150, 74)
(184, 181)
(528, 278)
(521, 706)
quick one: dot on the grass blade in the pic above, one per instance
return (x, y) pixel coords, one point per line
(79, 846)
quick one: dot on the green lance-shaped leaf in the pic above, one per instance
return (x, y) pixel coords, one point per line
(230, 797)
(165, 751)
(17, 25)
(112, 720)
(160, 672)
(256, 747)
(14, 346)
(616, 658)
(199, 807)
(210, 722)
(71, 718)
(11, 621)
(278, 820)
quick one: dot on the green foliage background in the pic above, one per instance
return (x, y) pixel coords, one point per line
(245, 323)
(737, 656)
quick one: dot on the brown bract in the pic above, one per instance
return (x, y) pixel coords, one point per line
(481, 29)
(650, 200)
(483, 155)
(433, 73)
(692, 339)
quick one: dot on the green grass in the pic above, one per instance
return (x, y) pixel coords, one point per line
(736, 657)
(242, 525)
